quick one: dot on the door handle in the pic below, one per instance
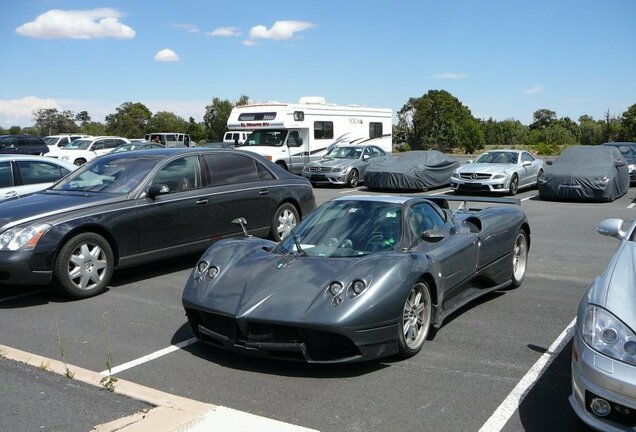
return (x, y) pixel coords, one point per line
(263, 192)
(202, 201)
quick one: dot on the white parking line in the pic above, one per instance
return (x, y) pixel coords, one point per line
(149, 357)
(22, 295)
(631, 205)
(350, 190)
(509, 406)
(530, 197)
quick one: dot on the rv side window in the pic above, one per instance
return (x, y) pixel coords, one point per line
(323, 130)
(375, 130)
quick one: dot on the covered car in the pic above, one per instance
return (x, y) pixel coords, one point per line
(414, 170)
(593, 173)
(628, 150)
(362, 277)
(604, 346)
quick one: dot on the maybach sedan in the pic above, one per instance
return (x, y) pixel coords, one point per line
(362, 277)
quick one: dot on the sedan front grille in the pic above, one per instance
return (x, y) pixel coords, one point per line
(318, 169)
(475, 176)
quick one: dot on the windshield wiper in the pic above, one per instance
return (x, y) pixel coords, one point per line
(300, 250)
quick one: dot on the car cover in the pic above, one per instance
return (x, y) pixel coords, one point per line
(597, 173)
(414, 170)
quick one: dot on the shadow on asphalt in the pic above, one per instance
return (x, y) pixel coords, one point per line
(155, 269)
(546, 406)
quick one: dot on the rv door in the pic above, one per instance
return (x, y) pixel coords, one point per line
(298, 154)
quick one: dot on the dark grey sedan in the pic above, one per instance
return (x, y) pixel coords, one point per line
(127, 208)
(343, 165)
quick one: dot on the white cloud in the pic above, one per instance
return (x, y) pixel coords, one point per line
(167, 55)
(249, 42)
(190, 28)
(225, 31)
(450, 75)
(537, 88)
(19, 112)
(77, 24)
(281, 30)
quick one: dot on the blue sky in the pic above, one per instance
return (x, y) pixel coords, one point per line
(502, 58)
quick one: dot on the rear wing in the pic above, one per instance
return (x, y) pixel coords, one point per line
(442, 200)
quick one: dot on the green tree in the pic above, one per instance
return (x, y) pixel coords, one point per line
(590, 131)
(94, 128)
(215, 118)
(83, 118)
(195, 130)
(612, 128)
(164, 121)
(242, 100)
(513, 131)
(14, 130)
(50, 121)
(543, 118)
(570, 126)
(130, 120)
(628, 124)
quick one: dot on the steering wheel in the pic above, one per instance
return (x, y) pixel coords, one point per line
(375, 239)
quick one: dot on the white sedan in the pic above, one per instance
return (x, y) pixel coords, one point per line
(83, 150)
(23, 174)
(500, 171)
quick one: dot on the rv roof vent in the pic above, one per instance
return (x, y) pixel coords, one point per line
(306, 100)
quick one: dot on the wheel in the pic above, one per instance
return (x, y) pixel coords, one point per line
(84, 265)
(283, 165)
(285, 219)
(519, 258)
(514, 185)
(354, 178)
(538, 177)
(415, 323)
(79, 162)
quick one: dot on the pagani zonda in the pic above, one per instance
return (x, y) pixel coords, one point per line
(362, 277)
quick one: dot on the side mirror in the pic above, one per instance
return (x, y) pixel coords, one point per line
(366, 157)
(612, 228)
(157, 189)
(432, 236)
(619, 163)
(469, 161)
(526, 163)
(549, 162)
(242, 222)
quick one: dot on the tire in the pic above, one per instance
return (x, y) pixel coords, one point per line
(519, 259)
(79, 162)
(285, 219)
(353, 179)
(514, 185)
(283, 165)
(84, 266)
(415, 323)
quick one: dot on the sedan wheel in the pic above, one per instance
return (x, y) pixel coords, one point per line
(285, 219)
(416, 320)
(519, 259)
(514, 184)
(354, 178)
(84, 265)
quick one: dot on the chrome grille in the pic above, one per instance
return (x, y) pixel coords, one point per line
(475, 176)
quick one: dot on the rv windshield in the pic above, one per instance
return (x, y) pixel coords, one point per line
(266, 137)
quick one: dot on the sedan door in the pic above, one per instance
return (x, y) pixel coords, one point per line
(530, 169)
(37, 175)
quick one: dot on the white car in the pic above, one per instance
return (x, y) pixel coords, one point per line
(55, 142)
(83, 150)
(24, 174)
(499, 171)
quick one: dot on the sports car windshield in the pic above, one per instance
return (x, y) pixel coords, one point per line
(116, 175)
(347, 229)
(344, 153)
(498, 158)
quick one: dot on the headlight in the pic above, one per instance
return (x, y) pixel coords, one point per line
(22, 238)
(335, 288)
(631, 167)
(605, 333)
(358, 286)
(203, 268)
(601, 181)
(455, 174)
(337, 169)
(499, 176)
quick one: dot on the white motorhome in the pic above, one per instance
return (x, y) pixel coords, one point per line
(295, 134)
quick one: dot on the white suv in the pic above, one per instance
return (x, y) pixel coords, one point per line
(55, 142)
(236, 137)
(83, 150)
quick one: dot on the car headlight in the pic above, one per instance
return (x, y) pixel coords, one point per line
(499, 176)
(337, 169)
(631, 167)
(25, 238)
(204, 269)
(606, 334)
(601, 181)
(455, 174)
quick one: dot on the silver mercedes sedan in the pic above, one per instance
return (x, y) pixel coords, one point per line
(343, 165)
(604, 347)
(499, 171)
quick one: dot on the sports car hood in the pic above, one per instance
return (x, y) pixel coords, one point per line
(620, 287)
(47, 203)
(486, 168)
(333, 163)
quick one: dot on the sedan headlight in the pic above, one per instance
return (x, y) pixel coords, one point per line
(499, 176)
(455, 174)
(337, 169)
(25, 238)
(606, 334)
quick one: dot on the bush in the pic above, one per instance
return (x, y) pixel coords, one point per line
(544, 149)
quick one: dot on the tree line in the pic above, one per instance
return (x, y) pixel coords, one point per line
(436, 120)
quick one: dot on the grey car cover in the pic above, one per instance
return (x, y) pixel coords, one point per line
(415, 170)
(595, 173)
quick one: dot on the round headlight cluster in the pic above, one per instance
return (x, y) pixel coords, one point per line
(202, 266)
(213, 272)
(358, 286)
(335, 288)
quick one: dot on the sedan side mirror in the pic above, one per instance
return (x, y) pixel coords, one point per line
(156, 190)
(526, 163)
(469, 161)
(612, 228)
(366, 157)
(432, 236)
(549, 162)
(619, 163)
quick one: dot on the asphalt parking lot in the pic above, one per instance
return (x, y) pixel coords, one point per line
(459, 380)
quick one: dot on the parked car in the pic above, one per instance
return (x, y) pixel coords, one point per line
(169, 139)
(136, 145)
(498, 171)
(236, 137)
(362, 277)
(55, 142)
(342, 165)
(22, 144)
(23, 174)
(412, 171)
(83, 150)
(217, 145)
(593, 173)
(628, 150)
(127, 208)
(604, 347)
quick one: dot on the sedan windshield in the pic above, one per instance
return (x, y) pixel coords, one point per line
(79, 144)
(50, 140)
(344, 153)
(347, 229)
(115, 174)
(272, 138)
(498, 158)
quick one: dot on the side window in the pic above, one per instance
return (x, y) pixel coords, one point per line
(375, 130)
(38, 172)
(180, 174)
(377, 152)
(98, 145)
(63, 142)
(6, 176)
(423, 217)
(228, 136)
(231, 169)
(526, 157)
(294, 139)
(263, 173)
(323, 130)
(20, 141)
(367, 152)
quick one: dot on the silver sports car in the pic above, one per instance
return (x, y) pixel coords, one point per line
(343, 165)
(500, 171)
(604, 348)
